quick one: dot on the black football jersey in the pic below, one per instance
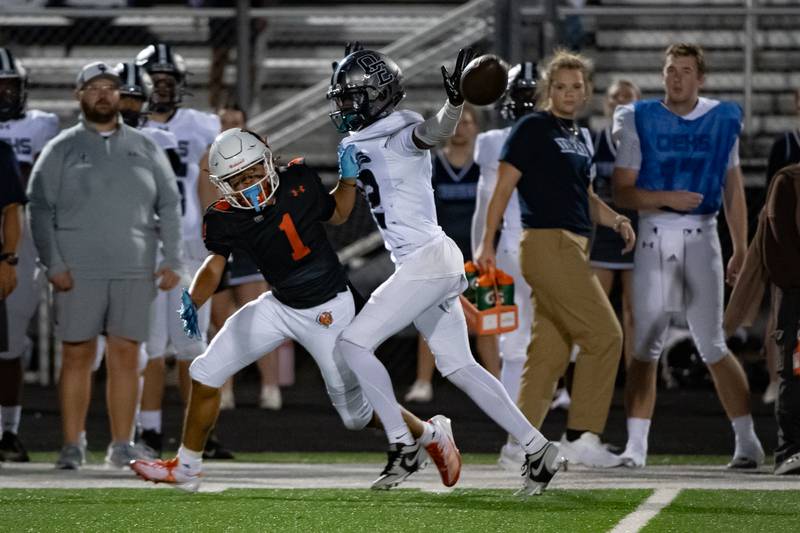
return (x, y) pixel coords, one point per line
(286, 239)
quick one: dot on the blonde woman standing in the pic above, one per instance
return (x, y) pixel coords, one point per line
(548, 160)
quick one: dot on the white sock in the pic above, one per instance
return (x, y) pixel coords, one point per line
(488, 394)
(511, 376)
(10, 417)
(428, 432)
(150, 420)
(747, 443)
(190, 459)
(377, 387)
(638, 430)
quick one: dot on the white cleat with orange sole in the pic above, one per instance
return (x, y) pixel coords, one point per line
(443, 451)
(169, 471)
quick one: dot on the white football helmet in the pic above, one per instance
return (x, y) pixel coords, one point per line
(234, 151)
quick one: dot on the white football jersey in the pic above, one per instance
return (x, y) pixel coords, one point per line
(165, 139)
(488, 146)
(195, 132)
(29, 134)
(395, 177)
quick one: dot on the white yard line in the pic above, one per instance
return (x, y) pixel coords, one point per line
(221, 475)
(648, 509)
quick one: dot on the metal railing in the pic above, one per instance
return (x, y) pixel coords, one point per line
(415, 53)
(750, 12)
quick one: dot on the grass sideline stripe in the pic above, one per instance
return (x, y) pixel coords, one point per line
(646, 511)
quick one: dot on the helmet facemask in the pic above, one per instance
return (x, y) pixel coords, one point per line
(12, 102)
(131, 116)
(256, 195)
(349, 108)
(520, 96)
(167, 93)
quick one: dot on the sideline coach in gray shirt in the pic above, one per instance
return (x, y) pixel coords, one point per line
(101, 195)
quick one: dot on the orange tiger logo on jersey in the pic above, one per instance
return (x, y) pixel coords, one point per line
(325, 318)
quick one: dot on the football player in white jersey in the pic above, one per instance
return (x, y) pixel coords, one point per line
(395, 177)
(195, 131)
(27, 131)
(518, 100)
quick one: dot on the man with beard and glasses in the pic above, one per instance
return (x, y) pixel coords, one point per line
(102, 196)
(195, 131)
(26, 131)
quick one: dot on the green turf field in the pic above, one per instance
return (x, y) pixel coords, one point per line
(310, 510)
(726, 511)
(597, 505)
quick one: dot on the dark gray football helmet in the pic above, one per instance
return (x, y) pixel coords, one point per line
(136, 83)
(14, 92)
(366, 86)
(520, 96)
(160, 58)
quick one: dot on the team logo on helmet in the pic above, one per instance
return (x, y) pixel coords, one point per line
(325, 319)
(365, 87)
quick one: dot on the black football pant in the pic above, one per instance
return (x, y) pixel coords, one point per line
(787, 407)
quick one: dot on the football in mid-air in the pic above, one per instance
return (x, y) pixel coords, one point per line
(484, 79)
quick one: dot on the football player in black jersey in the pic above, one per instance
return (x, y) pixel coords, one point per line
(276, 217)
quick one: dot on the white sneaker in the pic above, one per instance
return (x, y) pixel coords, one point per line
(512, 457)
(561, 400)
(588, 451)
(771, 394)
(420, 391)
(270, 398)
(227, 400)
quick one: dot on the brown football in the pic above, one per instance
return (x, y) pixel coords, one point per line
(484, 79)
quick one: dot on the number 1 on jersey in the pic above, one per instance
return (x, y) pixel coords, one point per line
(299, 250)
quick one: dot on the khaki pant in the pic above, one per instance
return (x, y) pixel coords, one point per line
(570, 307)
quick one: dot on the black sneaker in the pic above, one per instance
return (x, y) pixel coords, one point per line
(152, 440)
(789, 467)
(12, 449)
(215, 450)
(539, 469)
(404, 460)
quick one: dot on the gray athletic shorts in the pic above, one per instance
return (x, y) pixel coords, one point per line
(116, 307)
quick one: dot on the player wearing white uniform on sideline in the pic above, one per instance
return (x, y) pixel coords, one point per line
(678, 163)
(518, 100)
(395, 176)
(195, 131)
(26, 131)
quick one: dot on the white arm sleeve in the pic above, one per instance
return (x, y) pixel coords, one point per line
(629, 153)
(440, 126)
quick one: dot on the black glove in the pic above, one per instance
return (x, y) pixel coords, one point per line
(452, 82)
(349, 48)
